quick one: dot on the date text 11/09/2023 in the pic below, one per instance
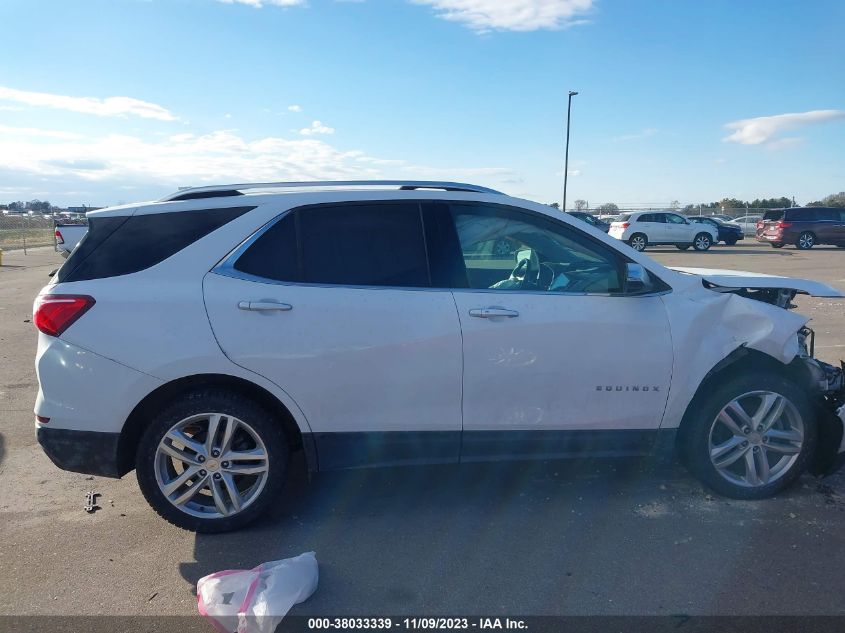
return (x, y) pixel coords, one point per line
(417, 623)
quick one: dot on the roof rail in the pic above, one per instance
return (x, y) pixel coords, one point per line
(215, 191)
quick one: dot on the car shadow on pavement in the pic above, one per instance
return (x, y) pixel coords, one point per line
(475, 537)
(2, 449)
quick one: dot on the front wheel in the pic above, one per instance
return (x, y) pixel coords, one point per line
(751, 436)
(702, 242)
(211, 461)
(806, 241)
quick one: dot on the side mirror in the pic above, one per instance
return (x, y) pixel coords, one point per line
(636, 278)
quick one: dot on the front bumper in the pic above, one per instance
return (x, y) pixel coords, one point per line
(88, 452)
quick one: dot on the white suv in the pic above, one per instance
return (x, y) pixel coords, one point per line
(646, 228)
(201, 339)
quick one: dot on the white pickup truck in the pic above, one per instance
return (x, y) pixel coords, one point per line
(68, 236)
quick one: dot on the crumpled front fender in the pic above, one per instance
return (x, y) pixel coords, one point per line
(707, 327)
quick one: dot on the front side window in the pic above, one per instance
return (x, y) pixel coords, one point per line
(508, 249)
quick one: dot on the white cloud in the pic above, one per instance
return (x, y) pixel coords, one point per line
(317, 127)
(761, 129)
(260, 3)
(511, 15)
(295, 108)
(116, 161)
(110, 106)
(31, 131)
(647, 132)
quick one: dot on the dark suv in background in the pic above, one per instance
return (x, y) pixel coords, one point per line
(803, 226)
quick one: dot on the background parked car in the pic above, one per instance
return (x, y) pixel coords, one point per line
(589, 218)
(727, 232)
(645, 228)
(748, 223)
(68, 236)
(802, 226)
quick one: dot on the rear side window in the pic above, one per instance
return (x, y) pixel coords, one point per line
(350, 245)
(363, 245)
(117, 246)
(273, 255)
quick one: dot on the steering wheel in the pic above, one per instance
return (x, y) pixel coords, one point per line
(523, 273)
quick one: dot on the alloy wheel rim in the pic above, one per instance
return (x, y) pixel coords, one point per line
(756, 438)
(702, 242)
(806, 240)
(211, 465)
(638, 243)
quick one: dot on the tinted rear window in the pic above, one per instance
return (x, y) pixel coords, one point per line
(623, 217)
(363, 245)
(773, 215)
(350, 244)
(274, 254)
(122, 245)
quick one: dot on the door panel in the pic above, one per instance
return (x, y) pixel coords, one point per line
(557, 359)
(655, 231)
(363, 361)
(334, 304)
(565, 363)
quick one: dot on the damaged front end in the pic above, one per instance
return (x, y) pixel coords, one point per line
(829, 382)
(826, 381)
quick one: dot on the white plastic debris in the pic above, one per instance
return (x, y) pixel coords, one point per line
(256, 600)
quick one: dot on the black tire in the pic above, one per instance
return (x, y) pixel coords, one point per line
(731, 241)
(638, 241)
(694, 436)
(805, 241)
(702, 242)
(208, 400)
(683, 247)
(777, 245)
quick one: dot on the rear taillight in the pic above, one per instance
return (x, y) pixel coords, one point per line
(59, 238)
(624, 225)
(53, 314)
(783, 225)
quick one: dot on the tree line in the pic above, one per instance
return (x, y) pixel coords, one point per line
(726, 204)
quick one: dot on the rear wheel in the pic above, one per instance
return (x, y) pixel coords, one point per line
(806, 241)
(702, 242)
(638, 242)
(731, 241)
(212, 461)
(777, 245)
(682, 247)
(751, 437)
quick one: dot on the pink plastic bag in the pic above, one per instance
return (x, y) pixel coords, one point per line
(256, 600)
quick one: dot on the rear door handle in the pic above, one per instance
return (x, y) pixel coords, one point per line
(264, 306)
(490, 313)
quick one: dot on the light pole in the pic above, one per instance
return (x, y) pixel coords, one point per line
(566, 161)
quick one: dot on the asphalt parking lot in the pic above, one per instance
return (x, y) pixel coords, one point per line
(615, 537)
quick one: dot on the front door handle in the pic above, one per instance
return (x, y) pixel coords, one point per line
(491, 313)
(264, 306)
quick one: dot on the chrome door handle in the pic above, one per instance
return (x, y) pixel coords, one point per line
(264, 306)
(490, 313)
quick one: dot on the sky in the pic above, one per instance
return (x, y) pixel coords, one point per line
(111, 101)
